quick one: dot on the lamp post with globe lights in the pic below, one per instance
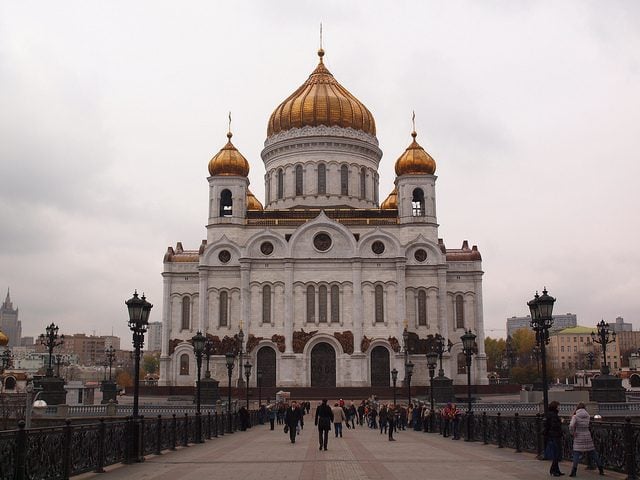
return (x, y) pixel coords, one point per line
(394, 379)
(606, 387)
(432, 361)
(469, 348)
(541, 308)
(198, 341)
(230, 358)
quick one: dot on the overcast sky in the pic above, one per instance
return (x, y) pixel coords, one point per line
(110, 112)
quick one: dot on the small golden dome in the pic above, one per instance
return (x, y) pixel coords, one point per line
(415, 160)
(321, 100)
(391, 202)
(4, 340)
(252, 202)
(229, 161)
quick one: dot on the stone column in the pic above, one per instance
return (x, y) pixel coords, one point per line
(481, 357)
(203, 320)
(165, 360)
(288, 307)
(401, 309)
(357, 306)
(245, 296)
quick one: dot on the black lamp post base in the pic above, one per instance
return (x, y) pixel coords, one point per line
(443, 390)
(109, 391)
(53, 391)
(209, 391)
(607, 388)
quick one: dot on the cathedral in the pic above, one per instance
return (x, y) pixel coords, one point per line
(323, 285)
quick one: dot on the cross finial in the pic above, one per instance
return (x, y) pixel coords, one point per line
(229, 134)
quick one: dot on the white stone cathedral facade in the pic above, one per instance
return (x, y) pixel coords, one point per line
(324, 279)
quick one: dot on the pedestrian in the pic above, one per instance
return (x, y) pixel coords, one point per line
(361, 409)
(553, 438)
(324, 417)
(351, 415)
(391, 421)
(292, 417)
(582, 440)
(271, 411)
(338, 418)
(382, 419)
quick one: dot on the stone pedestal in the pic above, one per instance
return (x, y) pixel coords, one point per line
(607, 388)
(52, 389)
(109, 391)
(209, 391)
(443, 389)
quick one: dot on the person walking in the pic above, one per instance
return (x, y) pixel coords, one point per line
(391, 421)
(361, 411)
(553, 438)
(324, 417)
(271, 412)
(383, 419)
(338, 418)
(582, 440)
(292, 417)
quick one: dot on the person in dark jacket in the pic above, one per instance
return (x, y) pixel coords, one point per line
(553, 438)
(292, 417)
(324, 417)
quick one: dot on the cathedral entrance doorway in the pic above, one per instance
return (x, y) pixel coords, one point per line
(323, 366)
(380, 373)
(266, 360)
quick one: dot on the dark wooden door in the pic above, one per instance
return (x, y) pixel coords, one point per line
(323, 366)
(380, 373)
(267, 364)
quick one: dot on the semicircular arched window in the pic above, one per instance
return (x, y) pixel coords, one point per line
(322, 179)
(417, 203)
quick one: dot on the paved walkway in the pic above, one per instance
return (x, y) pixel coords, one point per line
(361, 454)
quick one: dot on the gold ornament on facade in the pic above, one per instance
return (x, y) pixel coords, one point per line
(391, 202)
(229, 161)
(321, 100)
(252, 202)
(415, 160)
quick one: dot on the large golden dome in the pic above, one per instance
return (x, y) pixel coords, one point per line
(4, 340)
(252, 202)
(415, 160)
(321, 100)
(391, 202)
(229, 161)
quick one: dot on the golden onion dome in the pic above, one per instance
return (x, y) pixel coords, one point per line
(391, 202)
(229, 161)
(321, 100)
(252, 202)
(4, 340)
(415, 160)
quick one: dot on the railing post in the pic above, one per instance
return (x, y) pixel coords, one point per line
(539, 437)
(185, 440)
(159, 435)
(174, 432)
(66, 450)
(484, 428)
(21, 452)
(128, 458)
(209, 425)
(499, 430)
(102, 432)
(140, 446)
(215, 424)
(629, 455)
(516, 428)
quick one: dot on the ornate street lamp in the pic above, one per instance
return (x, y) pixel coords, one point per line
(405, 347)
(439, 348)
(51, 341)
(432, 362)
(110, 354)
(469, 348)
(541, 308)
(536, 355)
(208, 351)
(198, 341)
(230, 359)
(240, 353)
(394, 379)
(259, 379)
(408, 368)
(247, 374)
(591, 358)
(604, 337)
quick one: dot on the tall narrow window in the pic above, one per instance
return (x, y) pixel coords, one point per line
(280, 189)
(363, 183)
(459, 311)
(344, 180)
(417, 203)
(462, 363)
(224, 308)
(184, 364)
(226, 203)
(266, 304)
(322, 179)
(379, 304)
(268, 192)
(186, 313)
(375, 189)
(422, 307)
(298, 180)
(322, 304)
(311, 304)
(335, 304)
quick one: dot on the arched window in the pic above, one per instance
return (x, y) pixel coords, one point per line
(186, 313)
(462, 363)
(459, 311)
(266, 304)
(311, 304)
(322, 179)
(226, 203)
(344, 180)
(224, 308)
(322, 304)
(417, 203)
(280, 190)
(363, 183)
(335, 304)
(184, 364)
(379, 303)
(298, 180)
(422, 307)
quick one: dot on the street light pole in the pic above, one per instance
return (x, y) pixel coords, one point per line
(198, 341)
(394, 379)
(230, 359)
(208, 351)
(604, 337)
(51, 341)
(432, 361)
(240, 353)
(247, 374)
(409, 371)
(259, 379)
(440, 347)
(469, 348)
(541, 308)
(111, 356)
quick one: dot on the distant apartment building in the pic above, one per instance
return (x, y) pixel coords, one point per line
(153, 343)
(89, 349)
(560, 322)
(628, 343)
(621, 326)
(568, 350)
(9, 323)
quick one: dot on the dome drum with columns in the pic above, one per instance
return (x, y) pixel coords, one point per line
(324, 278)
